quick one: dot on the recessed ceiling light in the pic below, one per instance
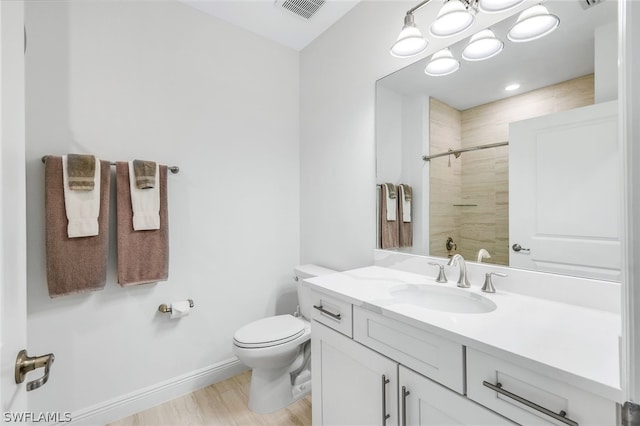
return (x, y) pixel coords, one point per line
(512, 87)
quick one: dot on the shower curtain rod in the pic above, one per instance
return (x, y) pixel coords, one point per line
(172, 169)
(457, 152)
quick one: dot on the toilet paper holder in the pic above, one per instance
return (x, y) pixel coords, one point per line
(166, 309)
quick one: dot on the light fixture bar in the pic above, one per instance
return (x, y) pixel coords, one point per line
(418, 6)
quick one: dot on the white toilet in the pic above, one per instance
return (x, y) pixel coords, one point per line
(278, 349)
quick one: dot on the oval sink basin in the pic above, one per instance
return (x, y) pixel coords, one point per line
(443, 299)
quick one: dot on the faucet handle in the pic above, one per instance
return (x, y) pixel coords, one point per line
(442, 278)
(488, 284)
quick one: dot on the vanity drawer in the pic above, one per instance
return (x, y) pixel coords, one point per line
(433, 356)
(581, 407)
(332, 312)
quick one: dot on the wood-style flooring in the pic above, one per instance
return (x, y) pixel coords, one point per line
(223, 403)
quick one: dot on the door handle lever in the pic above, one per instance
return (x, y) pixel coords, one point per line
(26, 363)
(517, 247)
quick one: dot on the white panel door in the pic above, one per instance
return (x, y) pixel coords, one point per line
(426, 403)
(12, 208)
(352, 385)
(565, 193)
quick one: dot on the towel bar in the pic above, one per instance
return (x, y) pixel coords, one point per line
(166, 309)
(172, 169)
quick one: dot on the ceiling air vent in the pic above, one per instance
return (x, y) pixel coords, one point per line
(302, 8)
(586, 4)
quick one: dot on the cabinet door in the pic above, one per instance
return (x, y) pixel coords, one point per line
(428, 403)
(352, 385)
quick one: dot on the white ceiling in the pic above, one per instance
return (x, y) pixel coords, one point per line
(264, 18)
(566, 53)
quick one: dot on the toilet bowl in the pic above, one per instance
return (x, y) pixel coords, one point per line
(278, 351)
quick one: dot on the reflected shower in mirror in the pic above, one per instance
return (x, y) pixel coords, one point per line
(462, 198)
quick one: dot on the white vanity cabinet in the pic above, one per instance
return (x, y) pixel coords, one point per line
(352, 385)
(440, 359)
(530, 398)
(377, 364)
(426, 403)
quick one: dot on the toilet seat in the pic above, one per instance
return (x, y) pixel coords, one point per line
(271, 331)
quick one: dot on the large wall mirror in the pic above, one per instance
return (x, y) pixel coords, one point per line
(526, 176)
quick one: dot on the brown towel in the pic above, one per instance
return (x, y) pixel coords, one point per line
(388, 229)
(74, 265)
(143, 256)
(81, 170)
(406, 228)
(145, 172)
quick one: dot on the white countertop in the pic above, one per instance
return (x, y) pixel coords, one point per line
(567, 342)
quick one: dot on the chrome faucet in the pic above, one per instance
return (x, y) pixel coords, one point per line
(488, 284)
(463, 281)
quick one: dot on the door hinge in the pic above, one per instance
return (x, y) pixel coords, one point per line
(630, 414)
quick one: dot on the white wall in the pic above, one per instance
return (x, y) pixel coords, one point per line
(338, 72)
(388, 133)
(402, 136)
(160, 80)
(415, 171)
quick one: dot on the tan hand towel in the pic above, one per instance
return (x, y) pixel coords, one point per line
(145, 172)
(81, 172)
(143, 256)
(82, 207)
(145, 203)
(74, 265)
(391, 202)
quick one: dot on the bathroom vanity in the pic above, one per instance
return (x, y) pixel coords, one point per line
(391, 347)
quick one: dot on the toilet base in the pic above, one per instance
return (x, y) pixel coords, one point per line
(271, 390)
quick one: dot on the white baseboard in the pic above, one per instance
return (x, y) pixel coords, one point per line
(143, 399)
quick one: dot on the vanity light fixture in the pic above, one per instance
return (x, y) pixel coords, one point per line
(410, 41)
(442, 63)
(454, 17)
(497, 6)
(483, 45)
(532, 24)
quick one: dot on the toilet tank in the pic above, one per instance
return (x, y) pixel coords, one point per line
(304, 293)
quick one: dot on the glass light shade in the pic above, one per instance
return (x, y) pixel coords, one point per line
(497, 6)
(410, 41)
(483, 45)
(532, 24)
(442, 63)
(453, 18)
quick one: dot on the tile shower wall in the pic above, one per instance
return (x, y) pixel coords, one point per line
(483, 210)
(445, 182)
(160, 80)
